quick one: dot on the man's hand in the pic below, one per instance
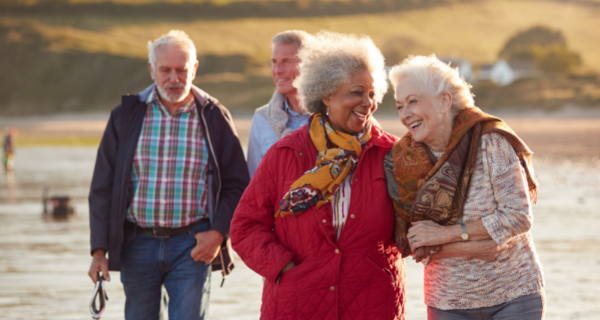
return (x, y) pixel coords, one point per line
(99, 263)
(207, 246)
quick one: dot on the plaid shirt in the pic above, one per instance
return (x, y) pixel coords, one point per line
(168, 177)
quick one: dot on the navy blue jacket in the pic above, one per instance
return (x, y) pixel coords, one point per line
(227, 175)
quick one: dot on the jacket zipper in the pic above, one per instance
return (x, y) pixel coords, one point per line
(214, 157)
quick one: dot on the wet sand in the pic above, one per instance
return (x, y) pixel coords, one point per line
(43, 263)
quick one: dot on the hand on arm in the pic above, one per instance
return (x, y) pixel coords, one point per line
(423, 252)
(486, 250)
(428, 233)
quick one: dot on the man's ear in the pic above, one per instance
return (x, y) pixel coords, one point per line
(151, 71)
(194, 70)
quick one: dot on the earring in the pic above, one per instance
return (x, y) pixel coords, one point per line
(327, 111)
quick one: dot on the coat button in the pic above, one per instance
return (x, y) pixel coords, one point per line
(300, 153)
(355, 180)
(332, 288)
(324, 221)
(352, 216)
(337, 251)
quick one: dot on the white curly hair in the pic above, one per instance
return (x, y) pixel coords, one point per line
(329, 59)
(434, 77)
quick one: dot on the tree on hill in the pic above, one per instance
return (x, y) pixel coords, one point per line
(546, 47)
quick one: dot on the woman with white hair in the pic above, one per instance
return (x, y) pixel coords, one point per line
(462, 185)
(316, 220)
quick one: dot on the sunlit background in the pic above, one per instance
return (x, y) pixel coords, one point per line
(65, 63)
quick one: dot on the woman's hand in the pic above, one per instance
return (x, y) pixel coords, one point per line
(428, 233)
(423, 252)
(288, 266)
(486, 250)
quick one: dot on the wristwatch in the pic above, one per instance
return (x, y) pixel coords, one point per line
(464, 235)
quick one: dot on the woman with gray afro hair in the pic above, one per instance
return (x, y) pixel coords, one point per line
(321, 257)
(329, 59)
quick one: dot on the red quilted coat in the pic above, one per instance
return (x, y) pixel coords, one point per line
(359, 276)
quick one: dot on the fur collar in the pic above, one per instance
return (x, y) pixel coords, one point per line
(275, 113)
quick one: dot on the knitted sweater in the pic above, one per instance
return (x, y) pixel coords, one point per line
(498, 195)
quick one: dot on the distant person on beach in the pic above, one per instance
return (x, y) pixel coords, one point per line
(169, 174)
(8, 148)
(463, 185)
(316, 220)
(283, 114)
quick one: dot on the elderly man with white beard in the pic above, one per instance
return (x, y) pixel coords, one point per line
(169, 174)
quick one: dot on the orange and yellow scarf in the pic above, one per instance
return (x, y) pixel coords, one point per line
(338, 155)
(437, 191)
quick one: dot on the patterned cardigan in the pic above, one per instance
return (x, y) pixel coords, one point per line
(498, 195)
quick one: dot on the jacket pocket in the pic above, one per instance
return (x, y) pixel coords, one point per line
(295, 292)
(387, 274)
(382, 292)
(286, 292)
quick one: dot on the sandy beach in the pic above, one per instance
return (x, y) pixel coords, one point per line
(43, 263)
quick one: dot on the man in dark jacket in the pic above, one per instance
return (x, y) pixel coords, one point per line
(169, 174)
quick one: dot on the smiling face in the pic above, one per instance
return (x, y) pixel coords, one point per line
(173, 73)
(428, 118)
(352, 104)
(284, 67)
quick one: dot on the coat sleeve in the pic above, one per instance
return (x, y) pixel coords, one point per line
(233, 171)
(252, 227)
(509, 183)
(100, 198)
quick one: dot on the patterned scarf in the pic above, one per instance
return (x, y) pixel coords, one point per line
(437, 191)
(338, 156)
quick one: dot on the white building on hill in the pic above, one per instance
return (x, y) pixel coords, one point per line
(465, 69)
(504, 73)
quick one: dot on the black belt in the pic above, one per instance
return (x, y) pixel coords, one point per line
(160, 232)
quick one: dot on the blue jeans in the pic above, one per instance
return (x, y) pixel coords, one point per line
(529, 307)
(148, 263)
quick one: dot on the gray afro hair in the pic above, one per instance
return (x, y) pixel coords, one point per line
(330, 59)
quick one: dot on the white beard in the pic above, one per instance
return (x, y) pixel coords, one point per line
(171, 98)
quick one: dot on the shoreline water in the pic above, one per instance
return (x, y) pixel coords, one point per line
(43, 263)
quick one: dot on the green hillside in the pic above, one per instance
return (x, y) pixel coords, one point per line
(83, 54)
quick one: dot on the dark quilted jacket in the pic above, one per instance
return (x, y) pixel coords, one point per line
(359, 276)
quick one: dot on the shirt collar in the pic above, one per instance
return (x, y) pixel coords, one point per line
(154, 99)
(289, 110)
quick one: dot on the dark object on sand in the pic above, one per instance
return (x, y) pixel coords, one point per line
(100, 295)
(60, 205)
(8, 148)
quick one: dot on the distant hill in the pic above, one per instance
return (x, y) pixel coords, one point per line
(223, 9)
(82, 55)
